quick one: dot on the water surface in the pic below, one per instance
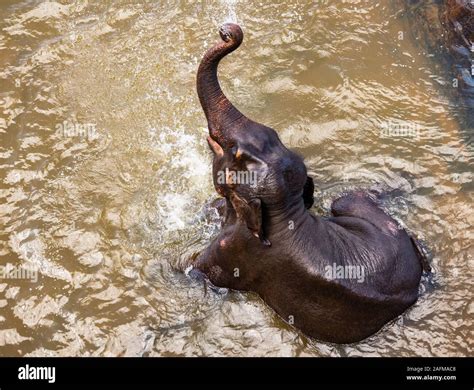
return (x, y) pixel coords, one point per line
(109, 216)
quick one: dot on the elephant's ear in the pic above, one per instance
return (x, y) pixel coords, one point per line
(251, 213)
(308, 192)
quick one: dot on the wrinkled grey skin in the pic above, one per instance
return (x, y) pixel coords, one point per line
(270, 243)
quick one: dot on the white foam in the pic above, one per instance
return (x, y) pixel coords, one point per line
(188, 269)
(173, 210)
(185, 156)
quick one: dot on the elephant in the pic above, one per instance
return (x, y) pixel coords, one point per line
(337, 278)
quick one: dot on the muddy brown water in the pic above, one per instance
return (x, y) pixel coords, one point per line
(105, 171)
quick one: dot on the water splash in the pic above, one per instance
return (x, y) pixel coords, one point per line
(231, 15)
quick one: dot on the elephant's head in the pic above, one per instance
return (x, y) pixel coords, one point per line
(251, 167)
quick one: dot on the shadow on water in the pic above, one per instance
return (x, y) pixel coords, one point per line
(444, 30)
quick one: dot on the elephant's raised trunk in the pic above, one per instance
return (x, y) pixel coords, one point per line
(220, 112)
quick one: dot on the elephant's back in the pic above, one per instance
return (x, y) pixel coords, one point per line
(372, 261)
(333, 310)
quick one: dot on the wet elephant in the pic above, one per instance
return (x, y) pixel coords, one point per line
(338, 278)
